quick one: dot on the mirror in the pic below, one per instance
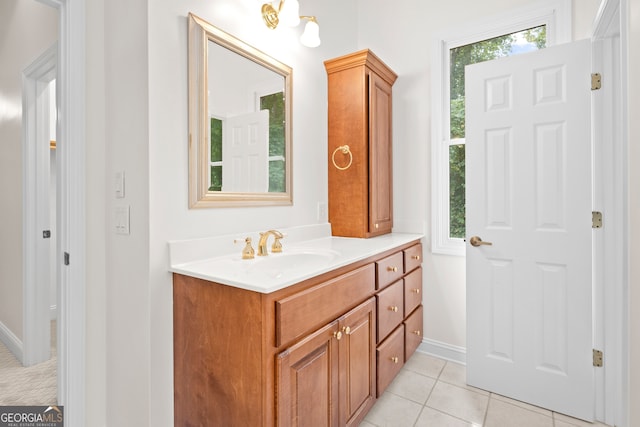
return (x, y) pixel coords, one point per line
(239, 122)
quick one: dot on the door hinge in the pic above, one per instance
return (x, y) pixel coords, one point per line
(597, 358)
(66, 258)
(596, 81)
(596, 219)
(46, 234)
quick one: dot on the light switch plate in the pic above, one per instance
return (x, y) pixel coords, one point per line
(121, 219)
(119, 185)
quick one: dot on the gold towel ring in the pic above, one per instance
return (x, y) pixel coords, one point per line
(345, 150)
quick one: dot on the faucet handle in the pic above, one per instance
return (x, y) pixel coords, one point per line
(247, 252)
(276, 247)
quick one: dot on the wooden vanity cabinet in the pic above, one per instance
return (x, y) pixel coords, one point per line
(307, 355)
(360, 116)
(328, 378)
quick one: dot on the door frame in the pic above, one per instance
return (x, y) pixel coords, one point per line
(36, 315)
(71, 223)
(610, 284)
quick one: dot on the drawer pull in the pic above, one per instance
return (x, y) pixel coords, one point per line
(394, 359)
(416, 257)
(417, 333)
(416, 291)
(337, 335)
(393, 269)
(393, 308)
(346, 330)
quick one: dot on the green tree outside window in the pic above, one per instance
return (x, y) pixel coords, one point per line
(510, 44)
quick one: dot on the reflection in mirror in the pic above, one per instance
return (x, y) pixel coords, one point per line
(239, 122)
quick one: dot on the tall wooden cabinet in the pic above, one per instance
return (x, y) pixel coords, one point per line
(360, 139)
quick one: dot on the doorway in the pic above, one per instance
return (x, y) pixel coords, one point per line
(39, 233)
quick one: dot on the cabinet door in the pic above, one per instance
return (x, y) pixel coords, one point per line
(357, 363)
(380, 185)
(307, 380)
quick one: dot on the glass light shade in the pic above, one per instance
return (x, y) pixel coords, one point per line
(289, 15)
(311, 35)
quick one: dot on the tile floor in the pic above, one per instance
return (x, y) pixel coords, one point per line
(431, 392)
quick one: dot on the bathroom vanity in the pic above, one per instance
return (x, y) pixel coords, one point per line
(309, 348)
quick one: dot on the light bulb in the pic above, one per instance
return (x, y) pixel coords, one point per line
(311, 35)
(289, 15)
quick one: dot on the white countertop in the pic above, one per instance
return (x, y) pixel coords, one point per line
(309, 252)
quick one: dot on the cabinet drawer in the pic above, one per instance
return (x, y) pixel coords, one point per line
(311, 308)
(412, 257)
(390, 355)
(412, 290)
(390, 308)
(389, 270)
(413, 332)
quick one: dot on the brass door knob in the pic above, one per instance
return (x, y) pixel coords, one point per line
(416, 257)
(477, 241)
(394, 359)
(393, 269)
(417, 333)
(393, 308)
(337, 335)
(346, 330)
(415, 291)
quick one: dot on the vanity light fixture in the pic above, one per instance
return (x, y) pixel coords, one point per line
(288, 14)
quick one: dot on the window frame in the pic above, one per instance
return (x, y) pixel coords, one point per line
(556, 15)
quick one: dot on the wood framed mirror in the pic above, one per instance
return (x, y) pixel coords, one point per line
(240, 104)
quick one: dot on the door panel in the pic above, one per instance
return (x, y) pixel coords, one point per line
(528, 192)
(307, 376)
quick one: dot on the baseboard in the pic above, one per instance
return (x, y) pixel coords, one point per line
(13, 343)
(444, 351)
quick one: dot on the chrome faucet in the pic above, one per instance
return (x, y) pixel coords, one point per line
(262, 243)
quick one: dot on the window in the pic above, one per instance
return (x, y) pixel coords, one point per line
(524, 34)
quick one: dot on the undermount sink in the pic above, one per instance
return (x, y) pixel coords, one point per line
(290, 263)
(278, 264)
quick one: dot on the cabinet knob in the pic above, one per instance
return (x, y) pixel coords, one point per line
(415, 291)
(417, 333)
(346, 330)
(416, 257)
(394, 359)
(393, 269)
(337, 335)
(393, 308)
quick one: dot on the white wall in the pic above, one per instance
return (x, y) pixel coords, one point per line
(21, 43)
(403, 37)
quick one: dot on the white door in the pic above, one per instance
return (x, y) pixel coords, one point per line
(528, 193)
(245, 153)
